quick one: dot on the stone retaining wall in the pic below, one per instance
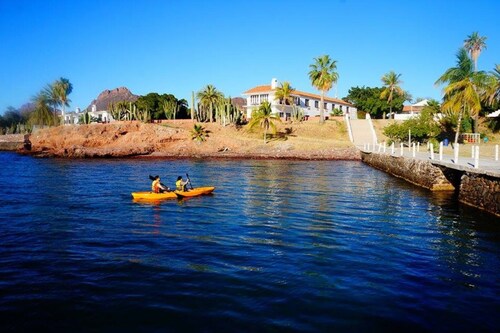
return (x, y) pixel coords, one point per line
(481, 191)
(474, 188)
(10, 146)
(421, 173)
(11, 141)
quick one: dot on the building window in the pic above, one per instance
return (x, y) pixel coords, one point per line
(340, 107)
(325, 106)
(264, 98)
(306, 102)
(347, 109)
(316, 104)
(254, 99)
(297, 101)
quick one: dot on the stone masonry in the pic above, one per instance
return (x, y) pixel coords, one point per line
(418, 172)
(474, 188)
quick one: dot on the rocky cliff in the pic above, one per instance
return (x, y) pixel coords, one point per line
(112, 96)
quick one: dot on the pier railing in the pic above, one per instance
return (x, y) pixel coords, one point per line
(475, 156)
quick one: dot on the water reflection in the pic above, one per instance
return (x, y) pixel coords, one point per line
(313, 243)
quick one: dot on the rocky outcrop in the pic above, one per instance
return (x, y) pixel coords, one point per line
(112, 96)
(174, 139)
(239, 102)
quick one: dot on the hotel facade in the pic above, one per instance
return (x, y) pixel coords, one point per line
(309, 103)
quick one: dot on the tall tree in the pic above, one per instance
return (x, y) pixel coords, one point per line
(323, 74)
(62, 88)
(264, 117)
(462, 93)
(284, 94)
(208, 98)
(474, 44)
(391, 83)
(492, 92)
(42, 115)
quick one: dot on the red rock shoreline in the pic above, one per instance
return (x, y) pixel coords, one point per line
(138, 140)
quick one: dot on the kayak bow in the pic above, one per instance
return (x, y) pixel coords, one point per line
(197, 191)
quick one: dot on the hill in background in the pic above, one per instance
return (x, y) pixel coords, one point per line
(112, 96)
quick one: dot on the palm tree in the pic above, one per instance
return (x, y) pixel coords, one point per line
(391, 83)
(284, 94)
(462, 94)
(492, 92)
(208, 97)
(51, 98)
(264, 117)
(199, 133)
(62, 88)
(323, 75)
(42, 114)
(474, 44)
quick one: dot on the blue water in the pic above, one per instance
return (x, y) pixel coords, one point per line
(295, 246)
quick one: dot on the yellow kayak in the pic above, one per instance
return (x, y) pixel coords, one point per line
(174, 194)
(195, 192)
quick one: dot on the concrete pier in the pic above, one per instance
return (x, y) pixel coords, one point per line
(476, 186)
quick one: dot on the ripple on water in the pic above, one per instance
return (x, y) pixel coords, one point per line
(280, 245)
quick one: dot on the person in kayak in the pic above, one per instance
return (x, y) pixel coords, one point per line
(157, 186)
(180, 185)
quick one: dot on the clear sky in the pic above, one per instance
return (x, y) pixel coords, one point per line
(180, 46)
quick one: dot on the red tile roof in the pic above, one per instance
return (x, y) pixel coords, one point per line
(408, 108)
(267, 88)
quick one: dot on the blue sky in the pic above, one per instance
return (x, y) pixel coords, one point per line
(180, 46)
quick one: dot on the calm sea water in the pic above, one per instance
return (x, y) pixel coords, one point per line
(317, 246)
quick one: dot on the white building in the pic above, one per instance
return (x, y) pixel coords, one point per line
(410, 111)
(308, 102)
(102, 116)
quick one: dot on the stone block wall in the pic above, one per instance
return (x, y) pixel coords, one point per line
(474, 188)
(418, 172)
(481, 191)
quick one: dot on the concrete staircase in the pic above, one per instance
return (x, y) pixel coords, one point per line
(362, 132)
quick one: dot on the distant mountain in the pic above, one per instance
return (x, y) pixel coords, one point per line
(239, 102)
(112, 96)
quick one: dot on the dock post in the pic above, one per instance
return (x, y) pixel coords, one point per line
(496, 152)
(457, 148)
(476, 157)
(432, 151)
(441, 151)
(401, 149)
